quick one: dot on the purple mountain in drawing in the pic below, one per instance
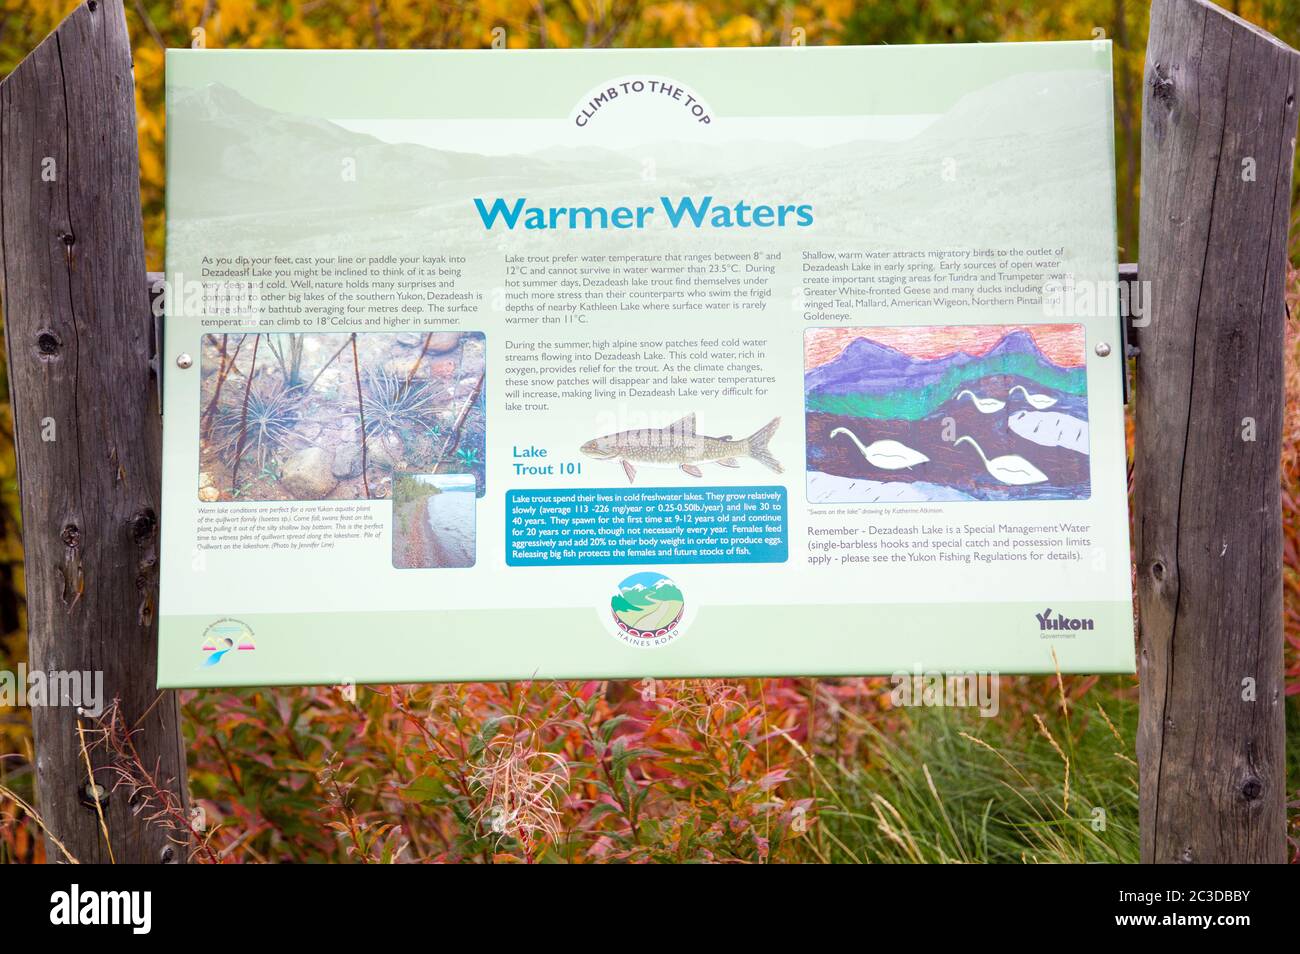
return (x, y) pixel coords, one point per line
(868, 367)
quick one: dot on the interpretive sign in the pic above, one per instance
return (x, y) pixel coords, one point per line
(502, 365)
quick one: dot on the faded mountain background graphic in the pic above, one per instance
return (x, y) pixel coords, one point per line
(249, 180)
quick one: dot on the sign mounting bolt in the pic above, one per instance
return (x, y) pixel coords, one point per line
(93, 794)
(184, 361)
(1102, 349)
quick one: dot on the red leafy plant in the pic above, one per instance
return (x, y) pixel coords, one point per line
(527, 772)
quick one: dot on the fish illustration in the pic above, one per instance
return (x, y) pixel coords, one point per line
(678, 445)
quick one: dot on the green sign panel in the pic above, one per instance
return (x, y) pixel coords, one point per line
(505, 365)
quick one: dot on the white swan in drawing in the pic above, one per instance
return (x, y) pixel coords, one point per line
(1037, 401)
(887, 455)
(982, 404)
(1010, 468)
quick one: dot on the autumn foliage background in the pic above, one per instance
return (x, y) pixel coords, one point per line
(701, 770)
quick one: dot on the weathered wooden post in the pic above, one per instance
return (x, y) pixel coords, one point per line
(1218, 142)
(79, 332)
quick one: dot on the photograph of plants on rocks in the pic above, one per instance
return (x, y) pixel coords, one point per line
(333, 416)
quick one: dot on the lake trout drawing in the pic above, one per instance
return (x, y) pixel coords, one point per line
(678, 445)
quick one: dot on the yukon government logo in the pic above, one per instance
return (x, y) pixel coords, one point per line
(225, 636)
(1059, 625)
(647, 609)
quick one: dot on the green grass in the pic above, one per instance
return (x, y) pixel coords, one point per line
(951, 786)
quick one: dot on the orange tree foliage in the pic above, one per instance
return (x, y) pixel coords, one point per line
(438, 24)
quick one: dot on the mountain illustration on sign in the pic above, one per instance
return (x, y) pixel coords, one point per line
(679, 445)
(647, 604)
(946, 413)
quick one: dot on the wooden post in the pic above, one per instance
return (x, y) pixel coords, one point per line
(79, 333)
(1218, 141)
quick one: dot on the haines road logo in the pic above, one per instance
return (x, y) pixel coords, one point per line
(647, 609)
(1060, 626)
(225, 636)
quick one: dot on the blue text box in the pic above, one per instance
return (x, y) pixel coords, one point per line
(616, 526)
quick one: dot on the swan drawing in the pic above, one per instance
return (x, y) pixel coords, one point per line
(1009, 468)
(1036, 401)
(887, 455)
(982, 404)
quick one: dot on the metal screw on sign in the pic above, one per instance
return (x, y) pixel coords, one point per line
(184, 361)
(1103, 349)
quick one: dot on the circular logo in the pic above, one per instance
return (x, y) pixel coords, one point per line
(225, 636)
(647, 609)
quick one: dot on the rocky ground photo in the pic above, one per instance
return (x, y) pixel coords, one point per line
(334, 416)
